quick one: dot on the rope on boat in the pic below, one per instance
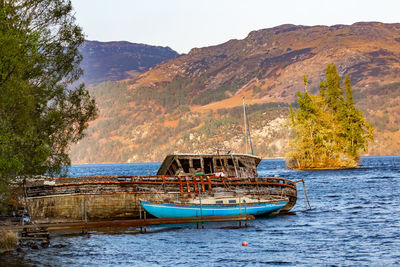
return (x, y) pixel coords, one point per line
(227, 186)
(306, 203)
(233, 161)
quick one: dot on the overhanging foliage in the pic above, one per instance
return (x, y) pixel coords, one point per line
(42, 108)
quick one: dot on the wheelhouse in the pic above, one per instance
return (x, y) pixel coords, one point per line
(236, 165)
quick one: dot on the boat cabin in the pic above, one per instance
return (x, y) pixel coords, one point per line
(234, 165)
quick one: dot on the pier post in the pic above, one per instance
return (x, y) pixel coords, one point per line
(140, 217)
(201, 212)
(85, 208)
(197, 223)
(145, 222)
(81, 210)
(82, 216)
(245, 213)
(85, 211)
(240, 207)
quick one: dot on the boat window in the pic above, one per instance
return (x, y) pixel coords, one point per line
(124, 179)
(174, 166)
(172, 169)
(241, 164)
(230, 163)
(244, 201)
(208, 167)
(232, 201)
(219, 202)
(196, 163)
(185, 165)
(218, 162)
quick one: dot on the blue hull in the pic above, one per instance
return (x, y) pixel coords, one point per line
(170, 210)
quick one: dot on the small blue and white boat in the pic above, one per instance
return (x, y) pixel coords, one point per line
(219, 207)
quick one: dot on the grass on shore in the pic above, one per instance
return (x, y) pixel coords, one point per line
(8, 240)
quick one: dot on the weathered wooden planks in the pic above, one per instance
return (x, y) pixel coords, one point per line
(130, 223)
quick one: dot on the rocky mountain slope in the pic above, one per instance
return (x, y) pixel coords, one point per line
(193, 103)
(113, 61)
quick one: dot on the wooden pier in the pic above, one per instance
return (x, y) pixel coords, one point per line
(128, 223)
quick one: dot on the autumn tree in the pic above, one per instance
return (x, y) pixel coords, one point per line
(42, 108)
(329, 131)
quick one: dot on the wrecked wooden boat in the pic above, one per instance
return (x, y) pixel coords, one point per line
(215, 206)
(237, 171)
(181, 177)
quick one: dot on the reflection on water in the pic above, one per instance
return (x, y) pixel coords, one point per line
(355, 220)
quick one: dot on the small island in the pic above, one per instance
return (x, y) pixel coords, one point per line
(329, 131)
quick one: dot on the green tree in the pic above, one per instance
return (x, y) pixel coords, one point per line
(42, 107)
(357, 131)
(329, 131)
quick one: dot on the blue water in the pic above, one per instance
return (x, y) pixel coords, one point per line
(354, 221)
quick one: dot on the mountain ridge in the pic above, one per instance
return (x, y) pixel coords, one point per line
(191, 103)
(118, 60)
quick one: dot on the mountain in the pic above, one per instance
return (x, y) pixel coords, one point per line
(192, 103)
(113, 61)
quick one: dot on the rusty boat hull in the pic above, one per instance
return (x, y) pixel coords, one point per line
(181, 177)
(107, 197)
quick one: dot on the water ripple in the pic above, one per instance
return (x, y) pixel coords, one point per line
(354, 221)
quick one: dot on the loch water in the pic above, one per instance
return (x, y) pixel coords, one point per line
(354, 221)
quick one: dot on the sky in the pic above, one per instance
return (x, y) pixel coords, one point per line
(186, 24)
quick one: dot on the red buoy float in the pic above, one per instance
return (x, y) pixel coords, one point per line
(244, 243)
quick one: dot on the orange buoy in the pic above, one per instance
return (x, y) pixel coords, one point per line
(244, 243)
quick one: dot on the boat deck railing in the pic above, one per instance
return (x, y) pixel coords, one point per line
(185, 184)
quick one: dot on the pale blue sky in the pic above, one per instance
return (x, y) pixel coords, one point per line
(185, 24)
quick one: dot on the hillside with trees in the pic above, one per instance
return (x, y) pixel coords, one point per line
(329, 131)
(192, 103)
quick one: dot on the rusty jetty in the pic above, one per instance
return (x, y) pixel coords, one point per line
(181, 177)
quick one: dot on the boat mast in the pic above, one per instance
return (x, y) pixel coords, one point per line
(245, 124)
(247, 128)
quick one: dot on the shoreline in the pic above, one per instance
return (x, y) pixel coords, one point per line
(150, 162)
